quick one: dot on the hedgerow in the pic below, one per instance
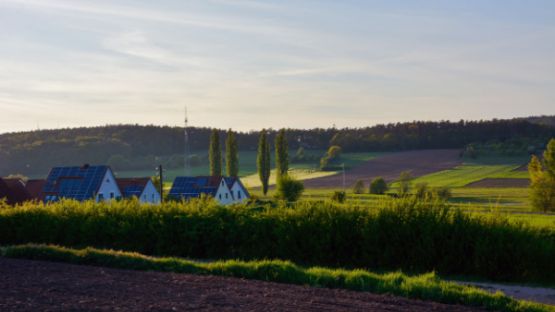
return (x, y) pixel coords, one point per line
(407, 234)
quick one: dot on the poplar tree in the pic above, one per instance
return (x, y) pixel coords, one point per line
(231, 155)
(263, 160)
(282, 154)
(215, 154)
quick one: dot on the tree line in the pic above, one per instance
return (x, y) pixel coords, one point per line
(37, 151)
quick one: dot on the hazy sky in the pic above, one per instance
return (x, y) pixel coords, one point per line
(250, 64)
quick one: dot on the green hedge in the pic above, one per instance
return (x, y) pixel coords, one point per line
(426, 287)
(405, 234)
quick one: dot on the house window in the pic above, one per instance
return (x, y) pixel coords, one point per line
(220, 196)
(112, 195)
(100, 196)
(108, 180)
(226, 194)
(239, 194)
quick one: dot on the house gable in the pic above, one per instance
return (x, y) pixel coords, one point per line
(150, 194)
(108, 189)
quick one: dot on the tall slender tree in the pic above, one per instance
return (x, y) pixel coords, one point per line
(231, 155)
(263, 160)
(282, 154)
(215, 154)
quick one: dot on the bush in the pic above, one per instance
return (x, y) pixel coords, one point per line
(289, 188)
(407, 234)
(378, 186)
(330, 159)
(422, 191)
(359, 187)
(405, 179)
(339, 196)
(442, 193)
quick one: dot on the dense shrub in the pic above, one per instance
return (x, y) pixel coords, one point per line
(378, 186)
(289, 188)
(398, 234)
(339, 197)
(358, 188)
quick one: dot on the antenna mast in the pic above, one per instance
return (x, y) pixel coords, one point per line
(186, 148)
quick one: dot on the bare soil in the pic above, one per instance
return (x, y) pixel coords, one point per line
(389, 167)
(500, 182)
(46, 286)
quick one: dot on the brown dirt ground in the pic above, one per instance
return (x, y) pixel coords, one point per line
(500, 182)
(46, 286)
(389, 167)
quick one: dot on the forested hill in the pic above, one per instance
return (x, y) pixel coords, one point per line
(37, 151)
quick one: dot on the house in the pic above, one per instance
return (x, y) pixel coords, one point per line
(35, 189)
(13, 191)
(226, 190)
(141, 188)
(81, 183)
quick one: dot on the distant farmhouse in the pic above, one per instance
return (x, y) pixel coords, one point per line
(226, 190)
(141, 188)
(13, 191)
(81, 183)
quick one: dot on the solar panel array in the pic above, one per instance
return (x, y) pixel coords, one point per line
(187, 187)
(73, 182)
(133, 190)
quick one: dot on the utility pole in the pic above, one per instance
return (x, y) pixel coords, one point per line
(186, 147)
(161, 183)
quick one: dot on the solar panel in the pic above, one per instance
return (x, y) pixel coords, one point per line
(74, 182)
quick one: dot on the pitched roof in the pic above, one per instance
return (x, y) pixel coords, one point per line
(13, 190)
(232, 180)
(35, 188)
(186, 187)
(130, 187)
(79, 183)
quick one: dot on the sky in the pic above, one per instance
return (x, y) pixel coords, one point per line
(247, 64)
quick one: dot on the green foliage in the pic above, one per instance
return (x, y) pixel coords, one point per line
(418, 236)
(215, 154)
(232, 155)
(542, 186)
(339, 197)
(549, 158)
(442, 193)
(378, 186)
(331, 158)
(426, 287)
(289, 188)
(358, 188)
(405, 179)
(282, 155)
(421, 190)
(263, 161)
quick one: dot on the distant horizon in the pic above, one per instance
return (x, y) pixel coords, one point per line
(249, 64)
(269, 128)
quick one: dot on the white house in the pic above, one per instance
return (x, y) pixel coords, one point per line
(226, 190)
(141, 188)
(81, 183)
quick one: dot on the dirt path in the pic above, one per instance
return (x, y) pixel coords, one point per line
(391, 165)
(500, 182)
(537, 294)
(46, 286)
